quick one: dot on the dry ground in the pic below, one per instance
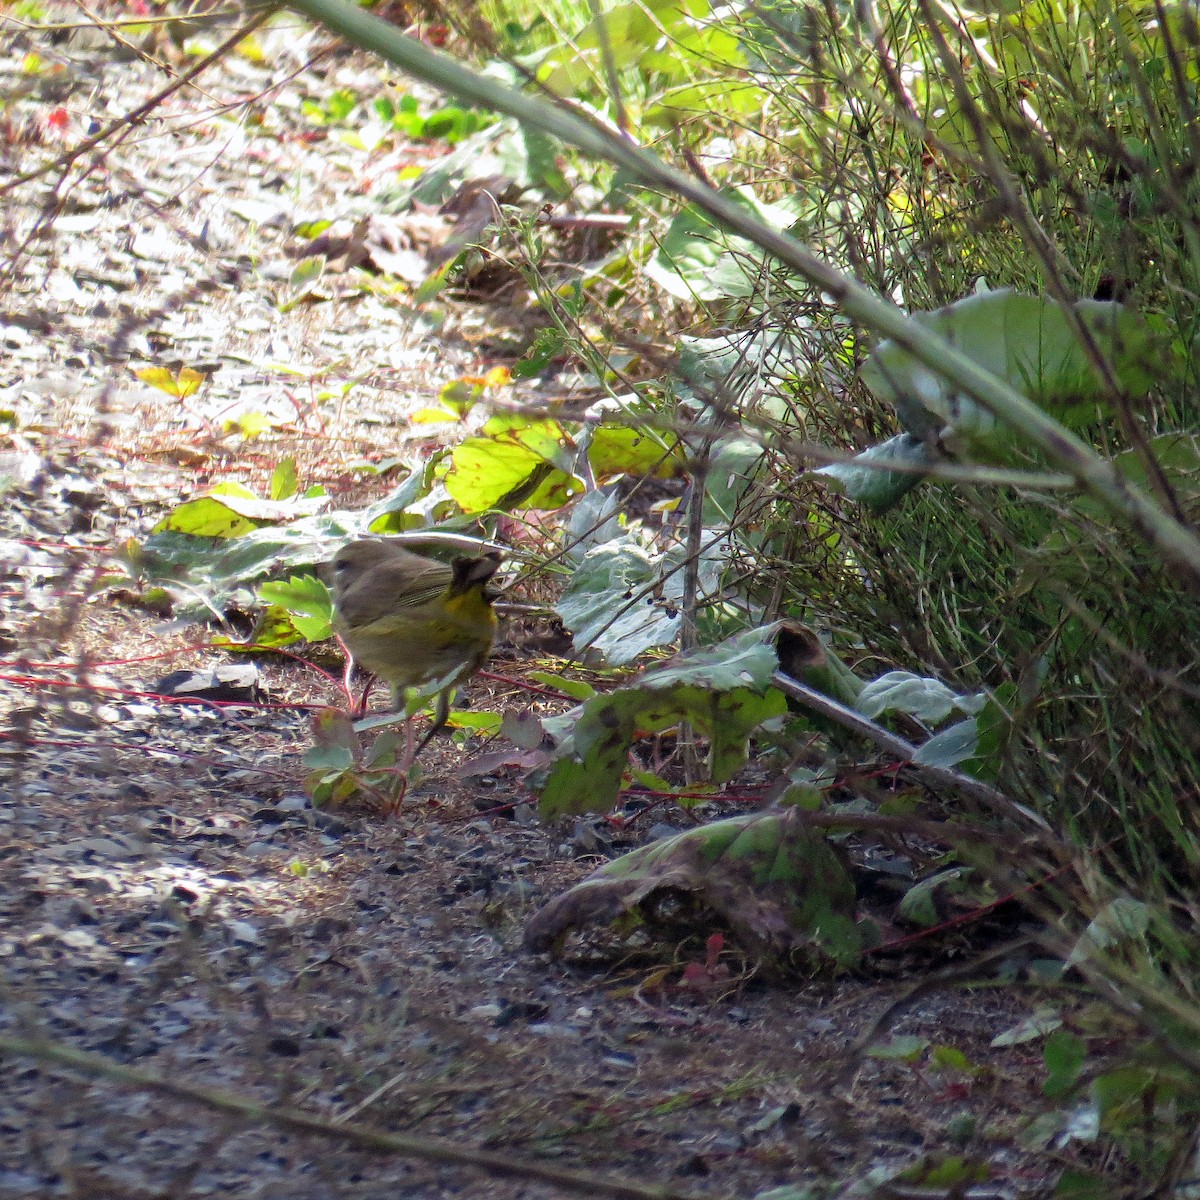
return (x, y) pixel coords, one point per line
(168, 900)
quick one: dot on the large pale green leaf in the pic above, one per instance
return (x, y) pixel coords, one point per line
(206, 517)
(738, 99)
(862, 478)
(976, 745)
(631, 29)
(741, 358)
(951, 746)
(722, 691)
(696, 260)
(1123, 921)
(230, 510)
(384, 515)
(217, 568)
(922, 903)
(606, 726)
(929, 700)
(735, 467)
(746, 660)
(601, 608)
(1025, 340)
(624, 450)
(605, 609)
(778, 886)
(1178, 455)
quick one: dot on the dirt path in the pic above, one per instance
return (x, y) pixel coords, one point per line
(168, 898)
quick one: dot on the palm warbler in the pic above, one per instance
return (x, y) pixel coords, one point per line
(412, 620)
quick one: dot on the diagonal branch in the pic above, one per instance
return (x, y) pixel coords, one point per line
(1178, 544)
(428, 1149)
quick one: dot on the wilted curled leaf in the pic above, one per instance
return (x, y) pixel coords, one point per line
(778, 886)
(803, 656)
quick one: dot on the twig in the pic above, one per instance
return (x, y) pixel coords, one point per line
(429, 1149)
(947, 977)
(896, 746)
(134, 117)
(1177, 544)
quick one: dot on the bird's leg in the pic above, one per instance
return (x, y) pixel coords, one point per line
(360, 709)
(400, 787)
(405, 764)
(441, 716)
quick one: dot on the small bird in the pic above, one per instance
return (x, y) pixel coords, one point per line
(412, 620)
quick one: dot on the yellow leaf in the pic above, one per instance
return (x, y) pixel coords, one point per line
(250, 425)
(432, 416)
(460, 395)
(181, 384)
(250, 48)
(188, 381)
(498, 377)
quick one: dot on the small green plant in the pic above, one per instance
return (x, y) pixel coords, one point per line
(343, 766)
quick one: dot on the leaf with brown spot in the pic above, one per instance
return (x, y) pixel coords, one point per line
(780, 887)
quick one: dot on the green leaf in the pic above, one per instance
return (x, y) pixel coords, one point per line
(746, 660)
(622, 601)
(952, 1174)
(389, 515)
(1121, 921)
(603, 605)
(698, 261)
(951, 1058)
(329, 758)
(230, 510)
(384, 751)
(274, 629)
(621, 450)
(722, 692)
(219, 568)
(1064, 1054)
(734, 469)
(1025, 341)
(878, 489)
(1126, 1093)
(542, 351)
(250, 425)
(307, 273)
(1178, 454)
(927, 699)
(575, 689)
(900, 1048)
(208, 517)
(307, 600)
(488, 723)
(1077, 1184)
(919, 904)
(631, 28)
(284, 480)
(460, 396)
(181, 384)
(1044, 1021)
(513, 464)
(953, 745)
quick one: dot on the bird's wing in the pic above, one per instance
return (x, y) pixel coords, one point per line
(393, 588)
